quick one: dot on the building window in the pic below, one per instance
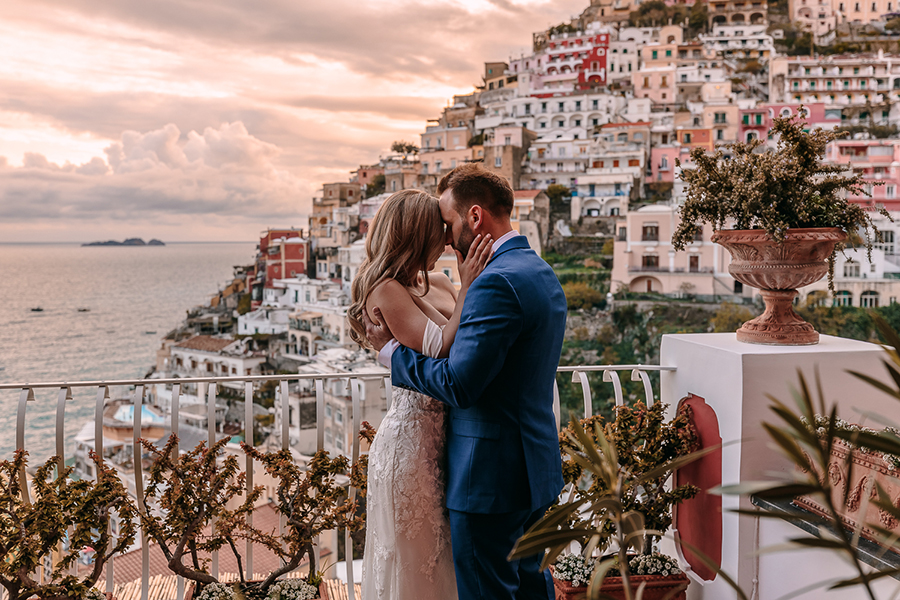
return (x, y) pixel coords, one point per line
(869, 299)
(665, 81)
(720, 118)
(650, 261)
(338, 416)
(668, 53)
(851, 269)
(498, 161)
(843, 298)
(655, 53)
(720, 134)
(686, 138)
(594, 104)
(623, 234)
(646, 82)
(562, 106)
(694, 263)
(650, 232)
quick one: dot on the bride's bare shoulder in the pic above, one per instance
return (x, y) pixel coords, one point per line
(387, 290)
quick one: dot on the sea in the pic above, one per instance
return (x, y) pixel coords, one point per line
(104, 313)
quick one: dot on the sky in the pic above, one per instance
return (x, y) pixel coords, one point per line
(210, 120)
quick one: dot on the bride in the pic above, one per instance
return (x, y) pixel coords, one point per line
(408, 551)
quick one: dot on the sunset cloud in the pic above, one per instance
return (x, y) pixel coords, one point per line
(129, 109)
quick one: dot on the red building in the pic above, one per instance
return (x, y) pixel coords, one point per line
(283, 253)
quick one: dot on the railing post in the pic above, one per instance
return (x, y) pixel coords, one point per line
(211, 428)
(25, 397)
(139, 489)
(354, 454)
(176, 407)
(64, 395)
(248, 439)
(610, 375)
(640, 375)
(285, 438)
(102, 397)
(581, 377)
(320, 443)
(556, 408)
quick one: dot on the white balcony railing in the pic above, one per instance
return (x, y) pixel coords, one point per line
(318, 380)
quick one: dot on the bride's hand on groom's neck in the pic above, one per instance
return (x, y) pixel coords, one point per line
(377, 331)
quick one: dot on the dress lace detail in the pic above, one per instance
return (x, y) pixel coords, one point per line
(408, 553)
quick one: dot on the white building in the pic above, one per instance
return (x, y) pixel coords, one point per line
(266, 320)
(740, 41)
(339, 431)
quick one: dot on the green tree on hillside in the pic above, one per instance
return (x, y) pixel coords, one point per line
(558, 193)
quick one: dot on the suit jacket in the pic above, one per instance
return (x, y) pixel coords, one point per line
(502, 442)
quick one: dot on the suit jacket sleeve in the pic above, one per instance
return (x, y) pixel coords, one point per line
(492, 319)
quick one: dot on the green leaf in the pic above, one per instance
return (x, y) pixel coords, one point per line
(788, 446)
(785, 516)
(867, 578)
(674, 464)
(876, 384)
(599, 575)
(814, 542)
(538, 541)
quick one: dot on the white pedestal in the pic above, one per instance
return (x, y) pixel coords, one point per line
(735, 379)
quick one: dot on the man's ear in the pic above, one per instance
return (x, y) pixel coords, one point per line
(476, 217)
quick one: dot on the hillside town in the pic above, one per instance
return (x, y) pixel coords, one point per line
(592, 129)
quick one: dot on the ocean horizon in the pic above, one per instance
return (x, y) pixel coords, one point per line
(129, 300)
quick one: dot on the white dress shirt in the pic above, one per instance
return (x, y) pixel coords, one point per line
(384, 356)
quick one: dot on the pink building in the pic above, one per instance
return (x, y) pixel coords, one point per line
(662, 163)
(755, 122)
(879, 161)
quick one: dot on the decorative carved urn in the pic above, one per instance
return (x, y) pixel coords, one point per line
(777, 270)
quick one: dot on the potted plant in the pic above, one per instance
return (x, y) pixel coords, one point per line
(64, 517)
(788, 216)
(621, 501)
(195, 488)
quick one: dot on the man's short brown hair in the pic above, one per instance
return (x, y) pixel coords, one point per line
(472, 184)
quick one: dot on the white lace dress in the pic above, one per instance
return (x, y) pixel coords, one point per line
(408, 555)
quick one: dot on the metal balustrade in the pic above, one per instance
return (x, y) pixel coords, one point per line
(354, 381)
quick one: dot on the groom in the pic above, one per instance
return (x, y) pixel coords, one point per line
(504, 468)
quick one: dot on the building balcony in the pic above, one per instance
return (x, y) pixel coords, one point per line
(731, 382)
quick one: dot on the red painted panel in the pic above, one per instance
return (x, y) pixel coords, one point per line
(699, 520)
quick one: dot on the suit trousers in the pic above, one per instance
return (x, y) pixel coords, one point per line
(481, 545)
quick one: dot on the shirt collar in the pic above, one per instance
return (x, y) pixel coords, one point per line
(504, 238)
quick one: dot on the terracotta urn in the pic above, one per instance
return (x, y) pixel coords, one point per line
(777, 270)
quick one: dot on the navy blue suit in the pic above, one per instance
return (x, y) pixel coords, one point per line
(504, 467)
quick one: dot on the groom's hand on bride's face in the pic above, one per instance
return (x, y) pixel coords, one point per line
(377, 331)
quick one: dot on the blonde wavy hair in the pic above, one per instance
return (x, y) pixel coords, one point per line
(406, 236)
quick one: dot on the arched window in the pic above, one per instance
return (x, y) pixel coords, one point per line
(869, 299)
(623, 137)
(785, 112)
(752, 135)
(843, 298)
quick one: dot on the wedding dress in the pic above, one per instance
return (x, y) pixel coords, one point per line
(408, 554)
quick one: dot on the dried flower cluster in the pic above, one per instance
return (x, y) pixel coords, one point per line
(777, 190)
(60, 509)
(821, 429)
(192, 490)
(292, 589)
(643, 441)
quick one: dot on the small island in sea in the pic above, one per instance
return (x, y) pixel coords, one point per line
(128, 242)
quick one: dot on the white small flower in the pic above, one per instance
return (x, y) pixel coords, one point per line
(217, 591)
